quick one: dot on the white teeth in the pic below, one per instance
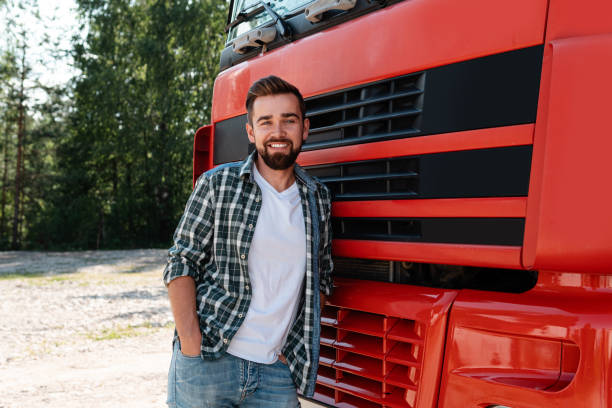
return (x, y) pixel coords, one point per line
(276, 145)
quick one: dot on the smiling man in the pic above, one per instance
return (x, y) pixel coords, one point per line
(250, 268)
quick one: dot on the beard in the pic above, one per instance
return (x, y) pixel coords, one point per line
(280, 161)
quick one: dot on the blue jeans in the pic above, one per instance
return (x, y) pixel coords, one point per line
(228, 382)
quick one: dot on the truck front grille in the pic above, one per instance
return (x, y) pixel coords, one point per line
(475, 230)
(493, 172)
(369, 359)
(381, 110)
(372, 179)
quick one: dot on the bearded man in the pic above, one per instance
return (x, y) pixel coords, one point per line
(251, 267)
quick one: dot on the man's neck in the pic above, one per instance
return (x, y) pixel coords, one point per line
(279, 179)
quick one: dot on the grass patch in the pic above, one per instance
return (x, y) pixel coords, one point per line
(45, 280)
(131, 330)
(20, 275)
(64, 275)
(114, 333)
(59, 278)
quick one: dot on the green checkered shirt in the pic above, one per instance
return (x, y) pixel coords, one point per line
(211, 244)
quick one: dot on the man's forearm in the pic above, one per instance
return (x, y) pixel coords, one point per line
(181, 292)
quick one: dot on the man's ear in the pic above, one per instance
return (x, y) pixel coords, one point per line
(306, 129)
(249, 130)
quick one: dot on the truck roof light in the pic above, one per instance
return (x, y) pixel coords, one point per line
(253, 39)
(314, 11)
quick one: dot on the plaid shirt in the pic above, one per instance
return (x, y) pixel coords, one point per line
(211, 244)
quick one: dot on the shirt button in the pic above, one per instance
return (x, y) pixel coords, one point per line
(247, 287)
(240, 315)
(257, 199)
(242, 256)
(224, 341)
(250, 226)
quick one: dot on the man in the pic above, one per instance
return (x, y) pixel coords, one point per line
(250, 268)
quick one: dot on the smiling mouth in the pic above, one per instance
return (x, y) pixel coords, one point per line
(278, 145)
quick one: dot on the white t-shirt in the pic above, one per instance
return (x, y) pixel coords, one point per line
(277, 265)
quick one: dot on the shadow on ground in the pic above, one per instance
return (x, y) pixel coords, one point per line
(31, 264)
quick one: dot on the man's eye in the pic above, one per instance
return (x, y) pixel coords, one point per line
(289, 120)
(265, 123)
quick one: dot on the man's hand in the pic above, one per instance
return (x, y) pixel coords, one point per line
(181, 292)
(191, 346)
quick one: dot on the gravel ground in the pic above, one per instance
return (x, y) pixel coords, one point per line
(83, 329)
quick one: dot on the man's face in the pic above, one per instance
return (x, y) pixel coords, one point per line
(277, 129)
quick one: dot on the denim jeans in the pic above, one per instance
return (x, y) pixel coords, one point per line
(228, 382)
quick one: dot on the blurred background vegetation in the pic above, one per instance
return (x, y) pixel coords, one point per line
(103, 160)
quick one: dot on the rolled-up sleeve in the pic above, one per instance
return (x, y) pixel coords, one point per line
(193, 236)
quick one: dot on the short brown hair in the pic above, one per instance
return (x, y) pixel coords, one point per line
(272, 85)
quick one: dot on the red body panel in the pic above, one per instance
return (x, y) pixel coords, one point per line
(453, 254)
(569, 221)
(407, 37)
(548, 347)
(570, 18)
(450, 207)
(202, 150)
(446, 142)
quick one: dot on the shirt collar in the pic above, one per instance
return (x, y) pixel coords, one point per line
(246, 170)
(247, 164)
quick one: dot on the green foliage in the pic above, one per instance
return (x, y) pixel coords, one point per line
(109, 158)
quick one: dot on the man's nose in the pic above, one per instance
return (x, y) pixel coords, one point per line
(277, 127)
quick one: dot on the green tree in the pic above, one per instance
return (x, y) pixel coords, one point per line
(146, 85)
(32, 114)
(8, 71)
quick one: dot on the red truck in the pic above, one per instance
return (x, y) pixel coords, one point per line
(467, 144)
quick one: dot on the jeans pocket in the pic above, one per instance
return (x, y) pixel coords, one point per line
(189, 371)
(180, 352)
(197, 382)
(198, 357)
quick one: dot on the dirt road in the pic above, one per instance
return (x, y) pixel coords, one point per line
(83, 329)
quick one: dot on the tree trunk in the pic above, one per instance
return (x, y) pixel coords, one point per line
(22, 199)
(148, 189)
(5, 164)
(16, 238)
(100, 236)
(130, 204)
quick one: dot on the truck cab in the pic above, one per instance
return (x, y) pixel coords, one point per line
(466, 145)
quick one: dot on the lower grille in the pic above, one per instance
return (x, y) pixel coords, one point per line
(368, 359)
(369, 269)
(436, 275)
(373, 352)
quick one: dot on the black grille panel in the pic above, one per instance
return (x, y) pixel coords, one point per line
(369, 269)
(377, 229)
(383, 110)
(483, 231)
(498, 172)
(372, 179)
(436, 275)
